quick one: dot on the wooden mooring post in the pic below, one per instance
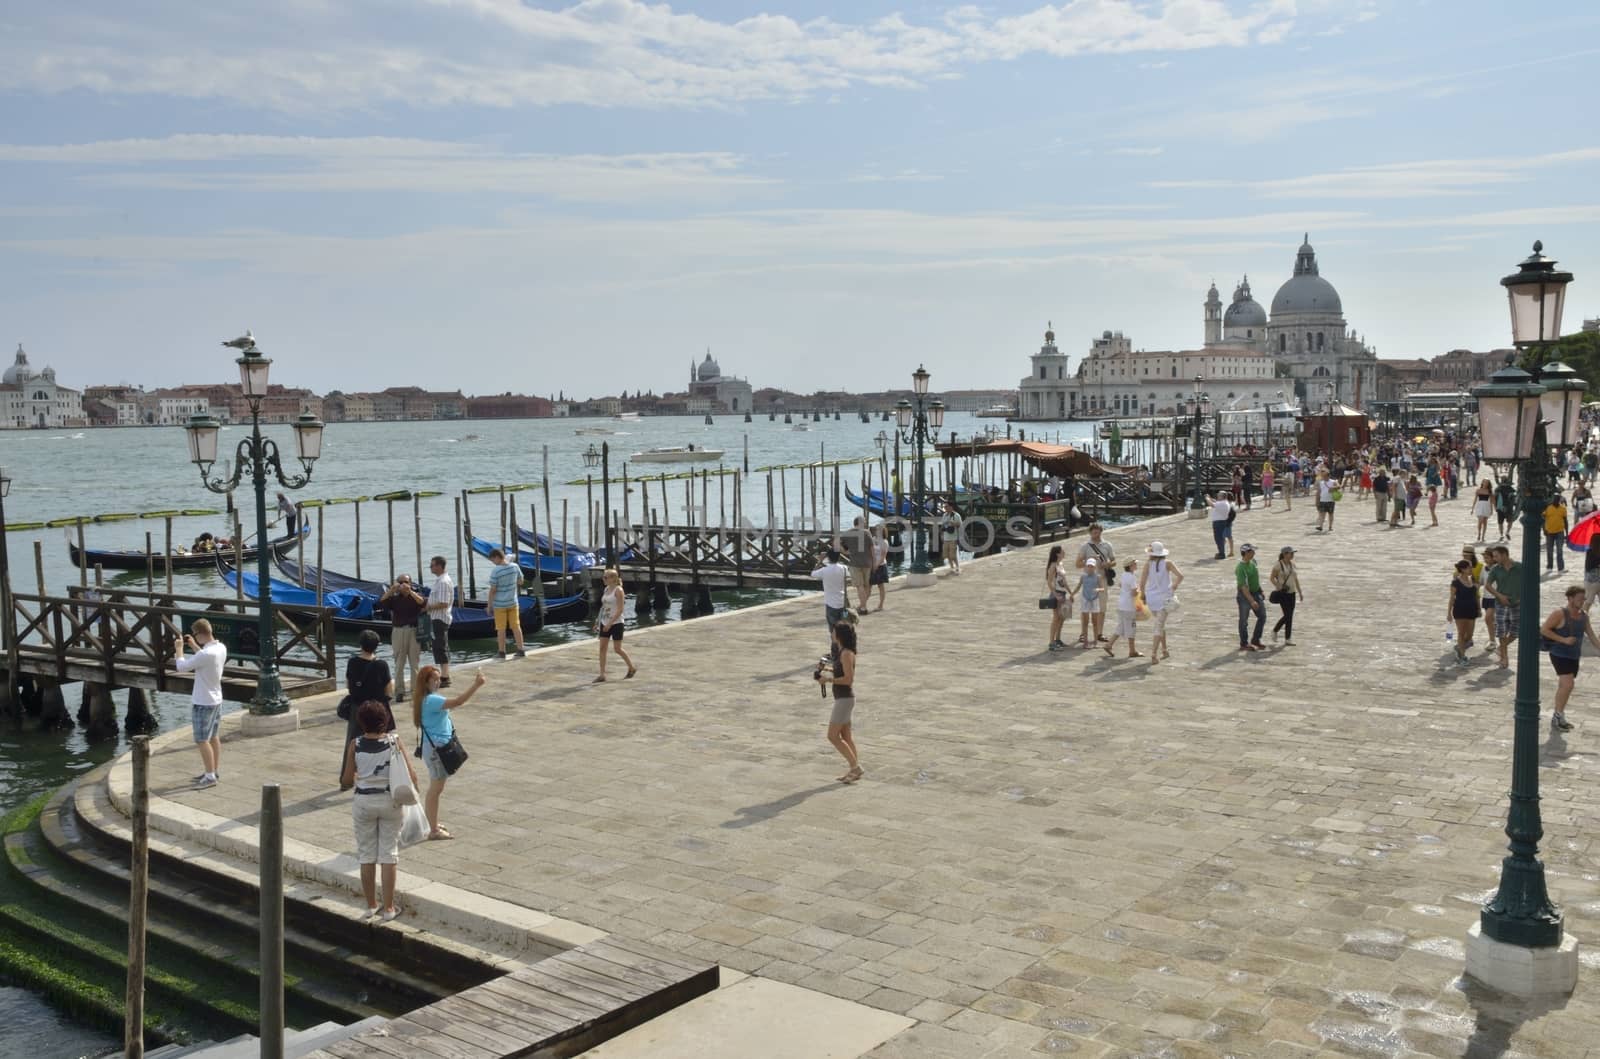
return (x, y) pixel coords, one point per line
(271, 920)
(138, 898)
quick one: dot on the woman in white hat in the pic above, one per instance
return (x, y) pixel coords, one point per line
(1157, 584)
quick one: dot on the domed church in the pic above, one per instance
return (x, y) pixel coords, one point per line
(31, 398)
(1308, 335)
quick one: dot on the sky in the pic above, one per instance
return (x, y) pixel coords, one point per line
(583, 197)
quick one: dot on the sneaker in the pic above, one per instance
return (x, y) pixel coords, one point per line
(204, 782)
(1058, 646)
(501, 655)
(389, 915)
(1559, 722)
(521, 653)
(1274, 635)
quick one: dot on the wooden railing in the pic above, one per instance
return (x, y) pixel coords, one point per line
(125, 637)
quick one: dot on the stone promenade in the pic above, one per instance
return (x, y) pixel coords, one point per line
(1272, 854)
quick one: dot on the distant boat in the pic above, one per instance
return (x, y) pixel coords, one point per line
(676, 454)
(997, 411)
(801, 426)
(626, 417)
(594, 431)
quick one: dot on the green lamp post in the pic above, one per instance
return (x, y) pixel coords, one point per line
(918, 423)
(260, 455)
(1519, 945)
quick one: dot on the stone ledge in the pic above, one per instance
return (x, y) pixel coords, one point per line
(500, 922)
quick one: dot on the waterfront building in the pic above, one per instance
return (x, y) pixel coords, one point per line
(508, 406)
(122, 400)
(30, 398)
(1117, 380)
(171, 407)
(716, 391)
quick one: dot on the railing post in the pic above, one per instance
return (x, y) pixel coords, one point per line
(271, 922)
(138, 892)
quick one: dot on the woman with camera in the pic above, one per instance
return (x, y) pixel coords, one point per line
(842, 676)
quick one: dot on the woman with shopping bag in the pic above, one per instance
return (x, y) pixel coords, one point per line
(377, 765)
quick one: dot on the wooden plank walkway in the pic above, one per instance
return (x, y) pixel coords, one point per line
(557, 1007)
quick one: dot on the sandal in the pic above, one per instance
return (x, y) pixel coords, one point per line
(629, 674)
(439, 834)
(1108, 651)
(1135, 654)
(598, 680)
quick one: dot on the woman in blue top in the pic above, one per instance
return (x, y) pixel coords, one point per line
(1565, 630)
(430, 711)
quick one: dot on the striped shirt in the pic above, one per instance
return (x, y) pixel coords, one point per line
(503, 582)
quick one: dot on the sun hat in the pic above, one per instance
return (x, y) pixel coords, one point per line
(1090, 562)
(1157, 549)
(1285, 550)
(1247, 548)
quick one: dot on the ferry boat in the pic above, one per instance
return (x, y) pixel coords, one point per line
(626, 417)
(676, 454)
(997, 411)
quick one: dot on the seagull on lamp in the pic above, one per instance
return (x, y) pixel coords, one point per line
(246, 341)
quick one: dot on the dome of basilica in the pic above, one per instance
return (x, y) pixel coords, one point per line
(1306, 291)
(1245, 310)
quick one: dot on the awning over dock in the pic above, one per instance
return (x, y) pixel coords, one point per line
(1064, 461)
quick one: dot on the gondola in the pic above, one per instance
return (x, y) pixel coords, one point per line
(136, 559)
(556, 608)
(535, 564)
(578, 557)
(877, 502)
(357, 611)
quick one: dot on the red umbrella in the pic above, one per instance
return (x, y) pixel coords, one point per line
(1580, 536)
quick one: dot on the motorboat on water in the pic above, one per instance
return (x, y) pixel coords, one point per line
(676, 454)
(626, 417)
(997, 411)
(599, 432)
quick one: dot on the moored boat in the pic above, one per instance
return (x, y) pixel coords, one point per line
(676, 454)
(556, 608)
(135, 559)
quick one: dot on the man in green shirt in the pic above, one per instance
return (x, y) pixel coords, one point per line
(1503, 580)
(1248, 579)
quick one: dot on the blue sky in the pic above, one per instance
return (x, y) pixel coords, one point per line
(584, 196)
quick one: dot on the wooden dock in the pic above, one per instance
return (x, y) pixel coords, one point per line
(560, 1006)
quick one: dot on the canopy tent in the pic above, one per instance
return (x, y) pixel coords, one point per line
(1061, 460)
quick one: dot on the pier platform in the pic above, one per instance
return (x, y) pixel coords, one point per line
(1274, 854)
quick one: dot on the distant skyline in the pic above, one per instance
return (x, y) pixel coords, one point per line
(497, 195)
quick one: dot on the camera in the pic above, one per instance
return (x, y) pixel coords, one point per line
(825, 663)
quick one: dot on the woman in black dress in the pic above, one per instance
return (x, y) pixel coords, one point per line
(366, 679)
(1464, 608)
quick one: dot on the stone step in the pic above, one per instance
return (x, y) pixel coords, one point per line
(228, 945)
(311, 907)
(205, 913)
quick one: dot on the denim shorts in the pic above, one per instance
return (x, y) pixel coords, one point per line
(206, 721)
(430, 757)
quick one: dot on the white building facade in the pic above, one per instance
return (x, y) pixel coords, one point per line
(708, 387)
(1249, 359)
(32, 399)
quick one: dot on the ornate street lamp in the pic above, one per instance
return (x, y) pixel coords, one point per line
(916, 424)
(1518, 944)
(591, 456)
(262, 456)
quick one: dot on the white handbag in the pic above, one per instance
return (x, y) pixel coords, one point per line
(401, 790)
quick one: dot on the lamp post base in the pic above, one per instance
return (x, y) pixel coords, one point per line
(1521, 971)
(1198, 512)
(920, 578)
(254, 724)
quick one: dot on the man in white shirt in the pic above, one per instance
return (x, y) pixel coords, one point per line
(206, 664)
(441, 598)
(1222, 524)
(1324, 500)
(833, 576)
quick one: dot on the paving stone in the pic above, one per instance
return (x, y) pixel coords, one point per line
(1289, 839)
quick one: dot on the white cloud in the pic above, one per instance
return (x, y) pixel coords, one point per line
(316, 58)
(1399, 180)
(376, 163)
(1141, 152)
